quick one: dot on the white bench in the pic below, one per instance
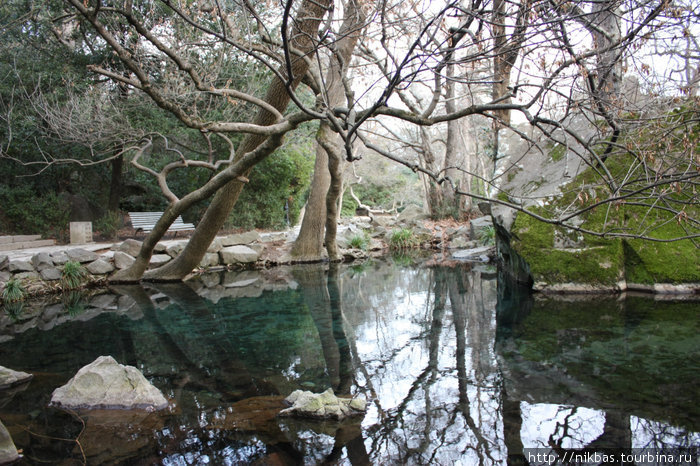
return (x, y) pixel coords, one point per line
(146, 221)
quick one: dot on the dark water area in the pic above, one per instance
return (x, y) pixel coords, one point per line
(456, 368)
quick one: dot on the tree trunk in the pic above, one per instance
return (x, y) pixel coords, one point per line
(308, 247)
(115, 185)
(324, 210)
(454, 151)
(309, 18)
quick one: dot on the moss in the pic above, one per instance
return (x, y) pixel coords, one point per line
(557, 153)
(599, 264)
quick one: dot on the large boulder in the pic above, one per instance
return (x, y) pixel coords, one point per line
(106, 384)
(10, 378)
(122, 260)
(100, 267)
(20, 266)
(131, 247)
(323, 405)
(412, 215)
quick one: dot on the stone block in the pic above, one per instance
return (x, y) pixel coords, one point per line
(80, 232)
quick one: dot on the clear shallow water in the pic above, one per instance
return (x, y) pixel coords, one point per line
(456, 369)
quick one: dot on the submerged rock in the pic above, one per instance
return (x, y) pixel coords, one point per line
(10, 378)
(323, 405)
(106, 384)
(8, 451)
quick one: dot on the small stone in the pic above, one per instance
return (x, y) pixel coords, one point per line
(99, 267)
(122, 260)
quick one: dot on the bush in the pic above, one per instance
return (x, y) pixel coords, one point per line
(488, 235)
(108, 224)
(13, 292)
(23, 211)
(360, 241)
(73, 275)
(403, 239)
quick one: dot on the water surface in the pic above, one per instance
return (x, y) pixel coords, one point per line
(456, 369)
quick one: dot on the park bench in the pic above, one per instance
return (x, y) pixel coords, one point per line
(146, 221)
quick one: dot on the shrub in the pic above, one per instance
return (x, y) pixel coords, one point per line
(13, 292)
(403, 239)
(73, 275)
(108, 224)
(488, 235)
(24, 211)
(360, 241)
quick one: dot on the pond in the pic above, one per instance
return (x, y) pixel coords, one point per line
(456, 367)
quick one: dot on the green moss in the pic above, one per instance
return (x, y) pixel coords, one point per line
(557, 153)
(598, 264)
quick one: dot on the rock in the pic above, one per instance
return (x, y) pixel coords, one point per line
(481, 254)
(20, 266)
(238, 254)
(5, 276)
(241, 238)
(159, 248)
(122, 260)
(272, 237)
(4, 262)
(50, 274)
(484, 207)
(8, 451)
(174, 249)
(478, 226)
(59, 257)
(41, 261)
(106, 384)
(131, 247)
(10, 378)
(215, 246)
(81, 255)
(100, 267)
(462, 242)
(210, 259)
(322, 405)
(385, 221)
(411, 214)
(104, 301)
(240, 279)
(159, 259)
(27, 276)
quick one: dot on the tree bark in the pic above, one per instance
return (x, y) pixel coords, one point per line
(308, 247)
(322, 210)
(309, 18)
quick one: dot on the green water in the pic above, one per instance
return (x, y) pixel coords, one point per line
(456, 368)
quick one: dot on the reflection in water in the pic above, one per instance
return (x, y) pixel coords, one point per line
(456, 369)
